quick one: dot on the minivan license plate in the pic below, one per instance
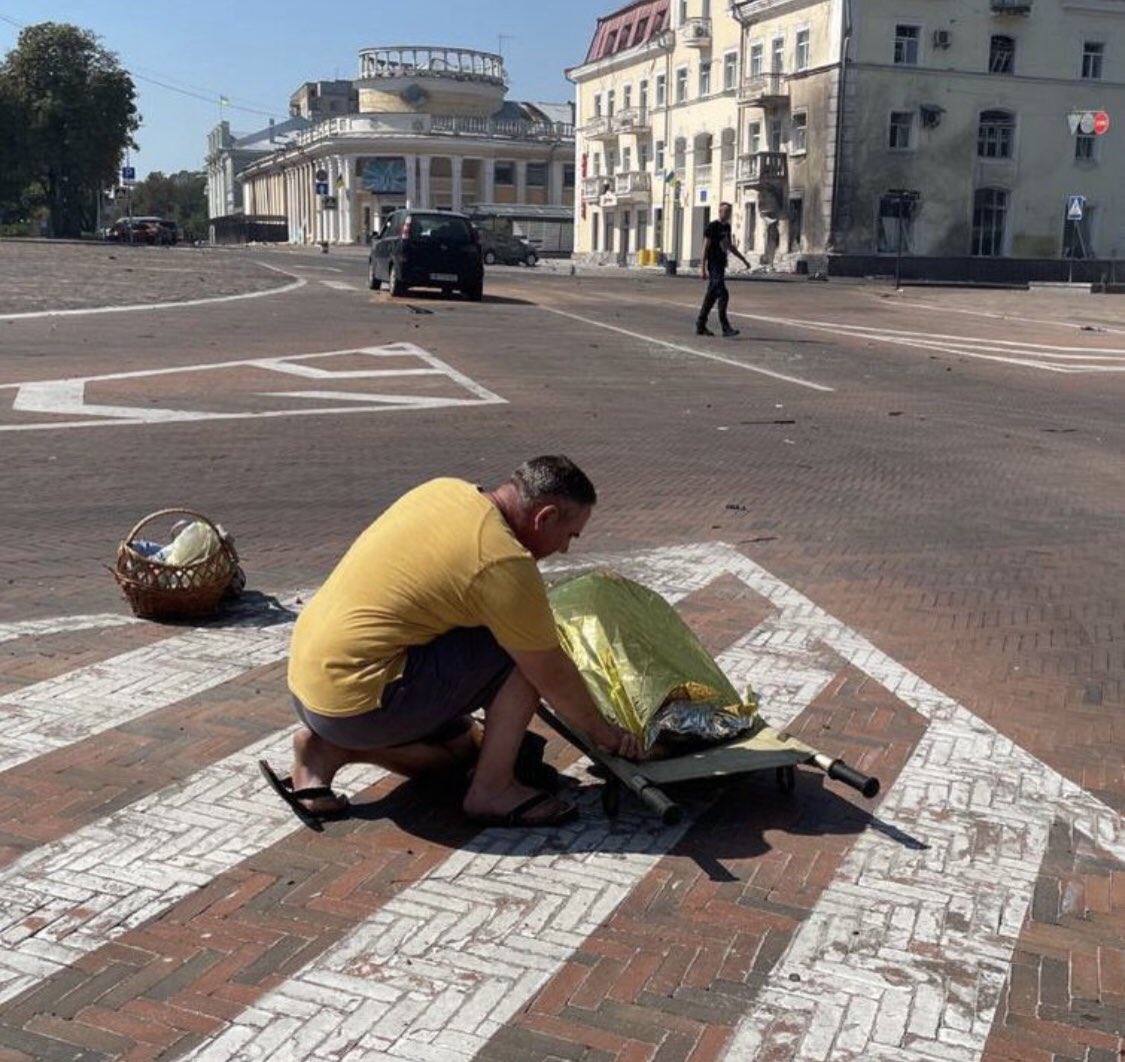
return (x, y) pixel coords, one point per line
(450, 278)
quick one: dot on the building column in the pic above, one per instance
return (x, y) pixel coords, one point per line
(488, 180)
(521, 181)
(411, 181)
(425, 196)
(287, 177)
(308, 197)
(555, 183)
(333, 190)
(455, 163)
(347, 197)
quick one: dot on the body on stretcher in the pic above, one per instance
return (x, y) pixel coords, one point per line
(646, 669)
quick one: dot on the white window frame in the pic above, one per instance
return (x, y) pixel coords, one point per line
(704, 75)
(804, 127)
(918, 38)
(891, 124)
(753, 137)
(731, 68)
(681, 84)
(627, 96)
(660, 157)
(1011, 140)
(756, 51)
(1100, 57)
(775, 51)
(597, 104)
(661, 91)
(797, 63)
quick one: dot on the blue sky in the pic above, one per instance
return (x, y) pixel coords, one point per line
(256, 53)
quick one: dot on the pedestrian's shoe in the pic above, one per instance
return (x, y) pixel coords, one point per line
(703, 330)
(730, 333)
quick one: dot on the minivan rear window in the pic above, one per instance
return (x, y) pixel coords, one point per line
(443, 229)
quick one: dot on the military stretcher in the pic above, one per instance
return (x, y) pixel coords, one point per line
(647, 672)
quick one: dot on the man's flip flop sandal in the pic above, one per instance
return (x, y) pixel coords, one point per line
(283, 787)
(517, 819)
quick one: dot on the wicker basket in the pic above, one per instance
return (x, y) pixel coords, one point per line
(170, 591)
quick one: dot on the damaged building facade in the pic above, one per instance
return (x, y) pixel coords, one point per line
(423, 126)
(959, 130)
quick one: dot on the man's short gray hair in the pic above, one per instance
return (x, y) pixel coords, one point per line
(554, 478)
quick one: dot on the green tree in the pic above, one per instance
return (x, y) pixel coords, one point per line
(80, 112)
(14, 174)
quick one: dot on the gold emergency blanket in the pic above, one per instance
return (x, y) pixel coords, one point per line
(646, 669)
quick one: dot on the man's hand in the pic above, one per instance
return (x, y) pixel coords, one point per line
(703, 274)
(617, 741)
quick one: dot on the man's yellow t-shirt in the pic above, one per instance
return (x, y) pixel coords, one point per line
(441, 557)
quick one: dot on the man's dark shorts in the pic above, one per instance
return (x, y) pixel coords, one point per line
(443, 683)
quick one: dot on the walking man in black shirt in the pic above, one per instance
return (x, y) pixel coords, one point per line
(716, 245)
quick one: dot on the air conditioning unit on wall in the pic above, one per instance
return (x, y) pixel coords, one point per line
(942, 38)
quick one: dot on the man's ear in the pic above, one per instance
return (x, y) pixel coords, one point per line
(546, 516)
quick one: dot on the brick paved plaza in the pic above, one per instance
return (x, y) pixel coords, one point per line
(897, 515)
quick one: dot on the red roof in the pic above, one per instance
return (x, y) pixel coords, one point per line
(626, 28)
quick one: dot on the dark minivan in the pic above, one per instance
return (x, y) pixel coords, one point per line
(427, 249)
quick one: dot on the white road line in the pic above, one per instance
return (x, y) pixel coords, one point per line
(1009, 351)
(57, 712)
(942, 309)
(63, 624)
(298, 282)
(689, 350)
(340, 285)
(68, 395)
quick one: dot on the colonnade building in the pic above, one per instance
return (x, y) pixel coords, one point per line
(431, 129)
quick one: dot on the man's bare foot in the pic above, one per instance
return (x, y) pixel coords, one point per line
(315, 763)
(533, 806)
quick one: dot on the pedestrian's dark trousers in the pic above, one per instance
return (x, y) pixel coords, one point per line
(717, 295)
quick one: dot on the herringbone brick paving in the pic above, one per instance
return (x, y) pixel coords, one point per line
(935, 532)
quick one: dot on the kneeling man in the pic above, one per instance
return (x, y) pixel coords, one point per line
(439, 609)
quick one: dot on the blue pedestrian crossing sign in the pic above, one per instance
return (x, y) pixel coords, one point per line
(1074, 207)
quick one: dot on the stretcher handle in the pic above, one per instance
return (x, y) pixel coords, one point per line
(654, 799)
(839, 771)
(624, 772)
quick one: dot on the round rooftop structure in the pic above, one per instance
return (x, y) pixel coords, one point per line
(430, 78)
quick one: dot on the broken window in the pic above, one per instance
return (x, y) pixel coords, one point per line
(896, 223)
(990, 208)
(906, 45)
(995, 134)
(1092, 53)
(901, 125)
(1002, 55)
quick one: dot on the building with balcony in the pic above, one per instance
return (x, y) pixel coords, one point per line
(815, 118)
(431, 127)
(656, 111)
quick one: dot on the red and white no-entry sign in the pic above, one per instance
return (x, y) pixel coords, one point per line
(1101, 123)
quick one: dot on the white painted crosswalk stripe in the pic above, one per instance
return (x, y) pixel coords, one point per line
(58, 712)
(63, 625)
(70, 897)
